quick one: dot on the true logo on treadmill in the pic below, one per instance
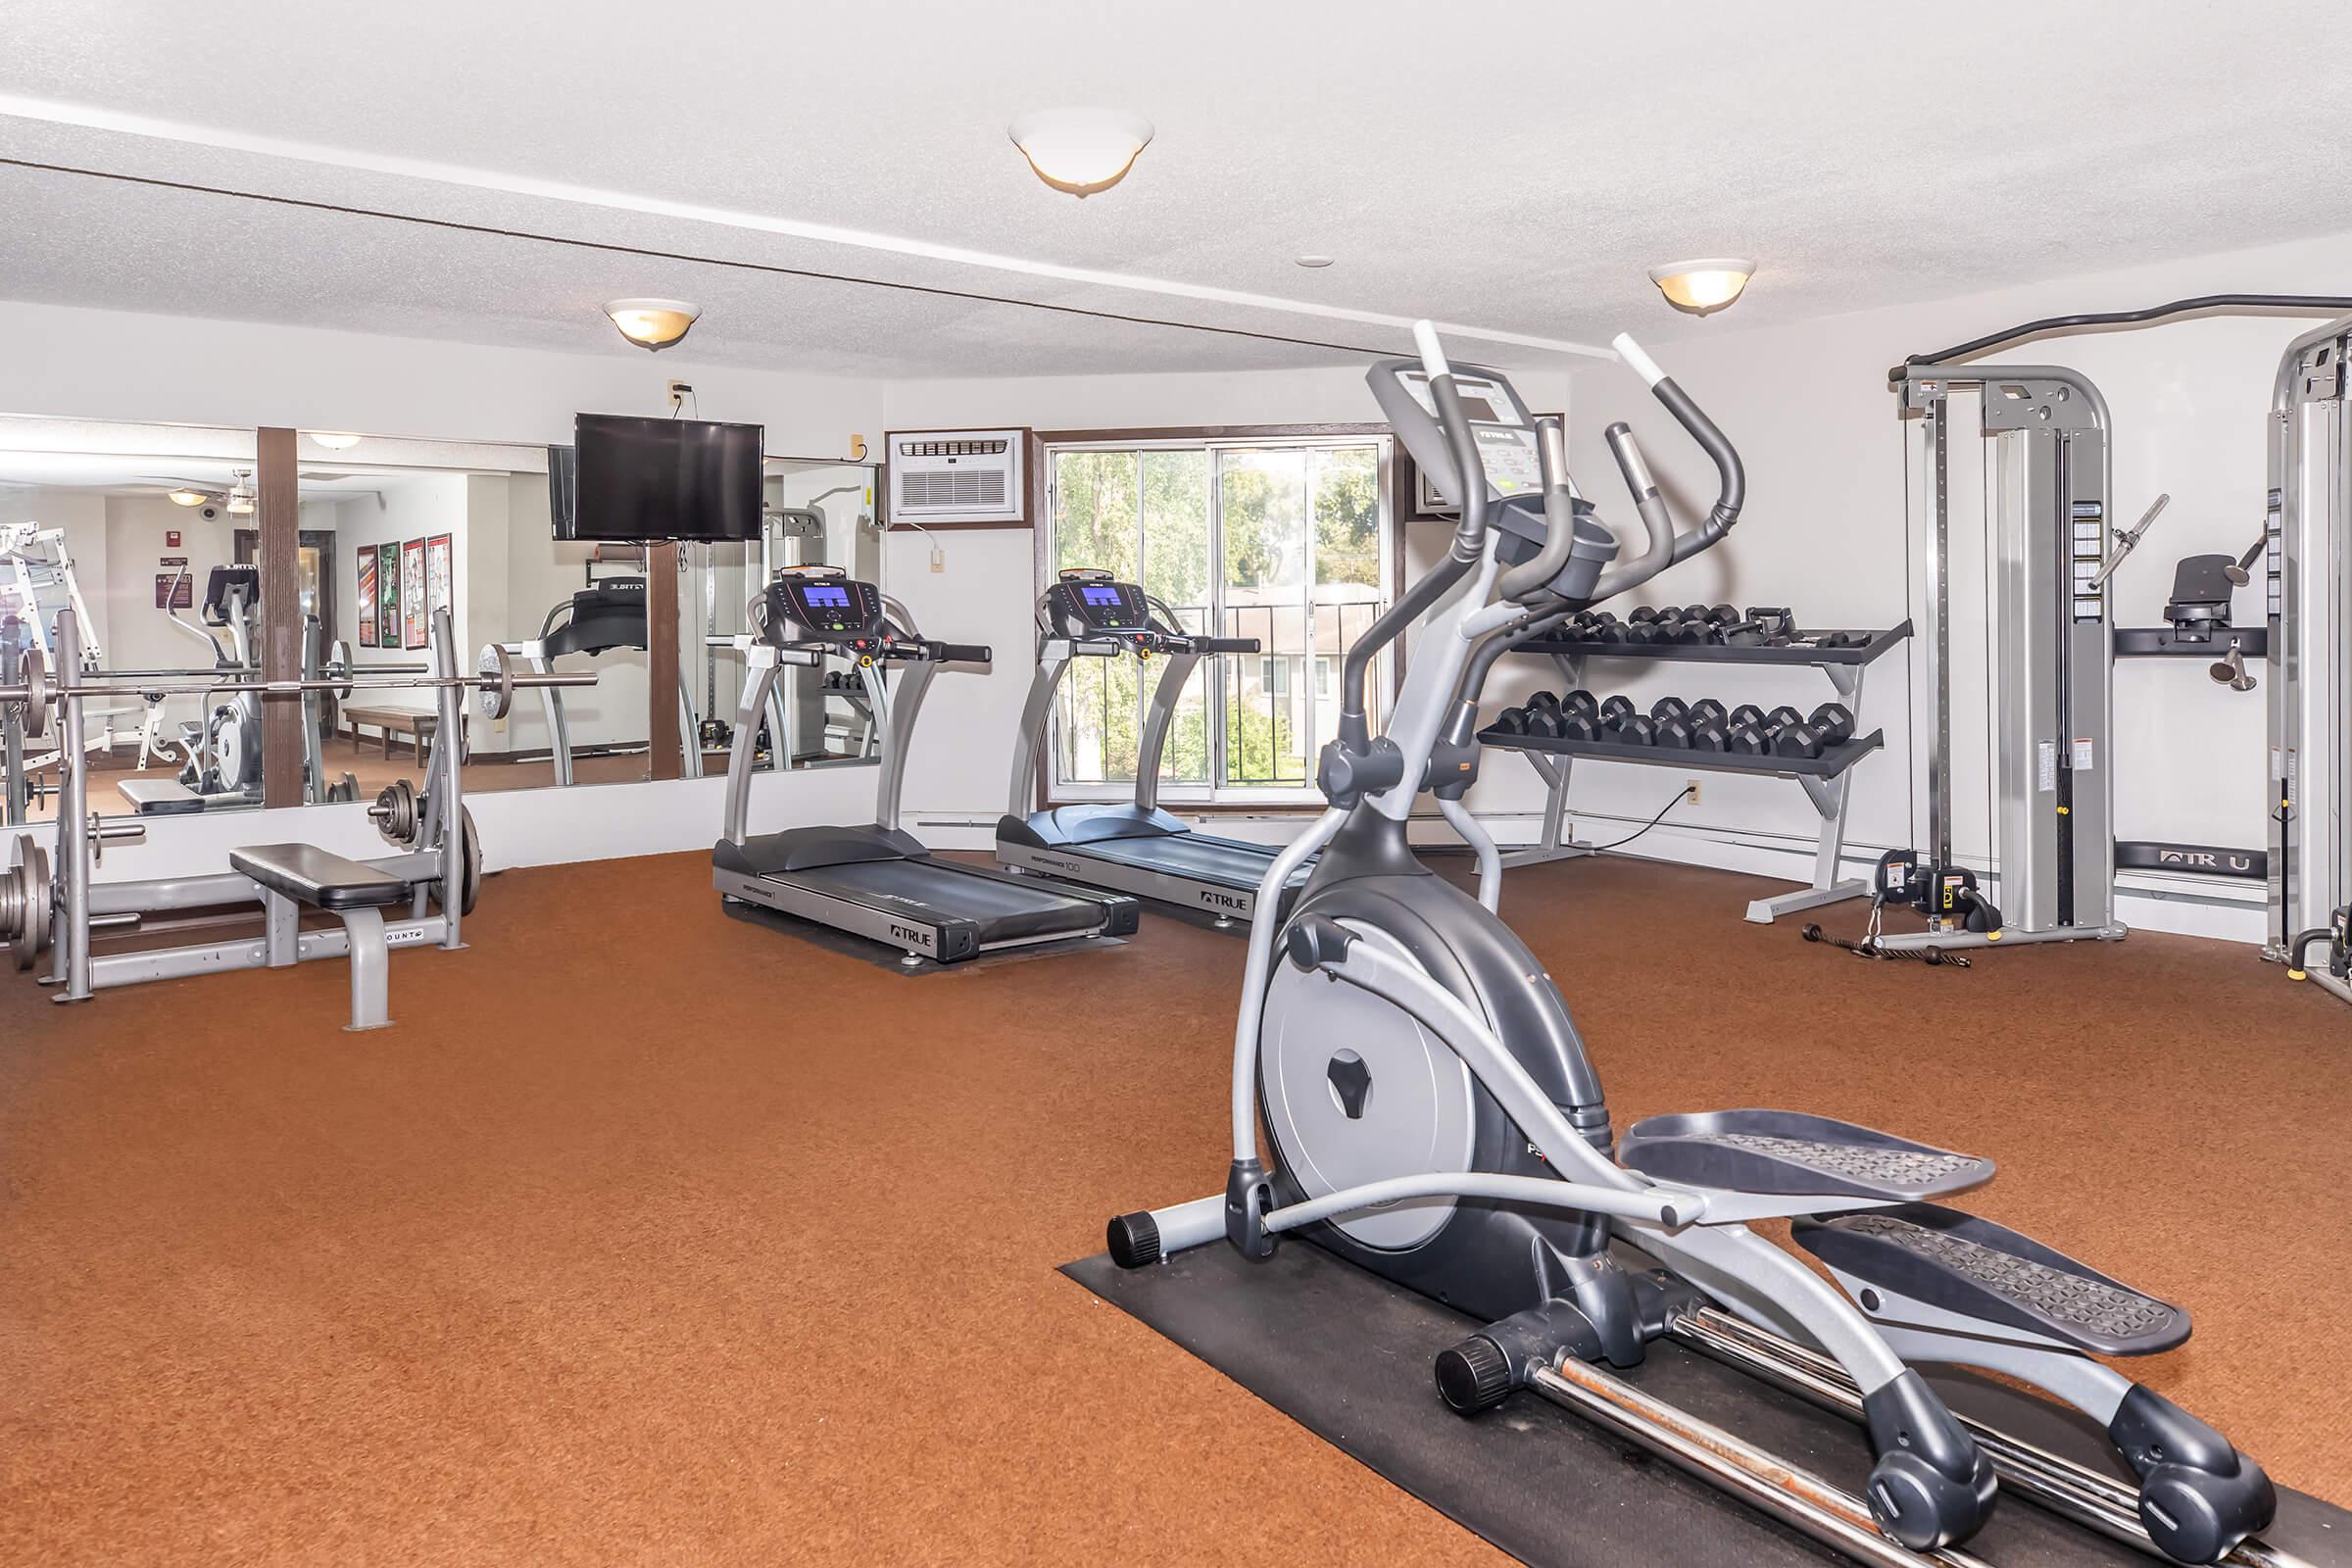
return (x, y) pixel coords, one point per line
(909, 933)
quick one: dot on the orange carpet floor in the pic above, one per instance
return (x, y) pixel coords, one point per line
(649, 1236)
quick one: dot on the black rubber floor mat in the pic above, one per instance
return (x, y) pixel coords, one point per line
(1348, 1356)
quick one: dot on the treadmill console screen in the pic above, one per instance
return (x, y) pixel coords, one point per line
(1100, 606)
(831, 606)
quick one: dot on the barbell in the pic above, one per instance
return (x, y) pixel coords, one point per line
(495, 680)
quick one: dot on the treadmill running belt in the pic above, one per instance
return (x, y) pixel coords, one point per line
(1220, 862)
(1005, 908)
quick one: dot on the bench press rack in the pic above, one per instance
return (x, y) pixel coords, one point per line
(44, 911)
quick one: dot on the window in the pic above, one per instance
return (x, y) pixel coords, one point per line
(1287, 542)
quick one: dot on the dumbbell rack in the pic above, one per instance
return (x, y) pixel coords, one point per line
(1826, 778)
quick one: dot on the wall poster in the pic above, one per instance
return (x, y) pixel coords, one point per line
(387, 594)
(412, 610)
(440, 574)
(367, 558)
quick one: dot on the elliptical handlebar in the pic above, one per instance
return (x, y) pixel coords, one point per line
(1732, 477)
(1354, 730)
(1522, 581)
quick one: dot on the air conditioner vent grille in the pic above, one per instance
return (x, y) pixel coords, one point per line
(956, 476)
(952, 487)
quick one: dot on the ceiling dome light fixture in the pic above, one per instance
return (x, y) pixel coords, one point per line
(1704, 286)
(186, 498)
(1313, 259)
(1080, 151)
(654, 324)
(334, 440)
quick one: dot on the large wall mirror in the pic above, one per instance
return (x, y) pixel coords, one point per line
(394, 529)
(148, 533)
(817, 511)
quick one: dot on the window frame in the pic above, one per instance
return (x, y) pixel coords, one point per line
(1388, 468)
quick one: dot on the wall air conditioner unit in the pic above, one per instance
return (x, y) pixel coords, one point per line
(957, 475)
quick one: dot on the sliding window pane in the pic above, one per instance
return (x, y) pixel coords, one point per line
(1344, 497)
(1177, 570)
(1263, 538)
(1095, 524)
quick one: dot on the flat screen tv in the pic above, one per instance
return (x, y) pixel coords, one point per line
(635, 478)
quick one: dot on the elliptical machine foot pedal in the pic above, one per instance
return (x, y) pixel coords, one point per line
(1942, 1280)
(1957, 1263)
(1777, 1151)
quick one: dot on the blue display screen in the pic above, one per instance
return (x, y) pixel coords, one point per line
(828, 597)
(1098, 594)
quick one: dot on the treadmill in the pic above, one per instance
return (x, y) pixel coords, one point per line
(1130, 847)
(874, 880)
(607, 613)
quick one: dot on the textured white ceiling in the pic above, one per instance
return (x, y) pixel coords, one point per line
(1510, 166)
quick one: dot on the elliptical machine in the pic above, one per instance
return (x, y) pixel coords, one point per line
(1437, 1121)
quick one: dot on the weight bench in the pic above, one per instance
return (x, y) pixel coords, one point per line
(160, 796)
(293, 877)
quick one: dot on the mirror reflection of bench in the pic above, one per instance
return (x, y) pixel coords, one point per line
(419, 722)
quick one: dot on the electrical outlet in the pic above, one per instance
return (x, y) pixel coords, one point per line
(939, 559)
(1691, 791)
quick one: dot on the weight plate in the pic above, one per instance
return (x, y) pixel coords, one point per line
(346, 788)
(395, 812)
(25, 903)
(470, 859)
(35, 676)
(338, 662)
(497, 670)
(473, 847)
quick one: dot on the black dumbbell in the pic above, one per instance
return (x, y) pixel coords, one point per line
(1511, 721)
(1615, 712)
(1831, 724)
(1670, 707)
(1724, 615)
(1779, 624)
(1781, 717)
(1581, 700)
(1697, 633)
(1745, 714)
(1707, 711)
(1838, 639)
(1543, 703)
(1642, 614)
